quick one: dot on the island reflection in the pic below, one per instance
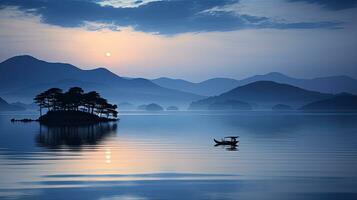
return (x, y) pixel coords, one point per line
(55, 137)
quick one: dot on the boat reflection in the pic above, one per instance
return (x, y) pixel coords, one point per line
(232, 148)
(228, 147)
(54, 137)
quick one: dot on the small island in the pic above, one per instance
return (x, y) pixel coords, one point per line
(172, 108)
(154, 107)
(74, 107)
(343, 102)
(151, 107)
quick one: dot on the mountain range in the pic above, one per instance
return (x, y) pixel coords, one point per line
(263, 94)
(5, 106)
(216, 86)
(22, 77)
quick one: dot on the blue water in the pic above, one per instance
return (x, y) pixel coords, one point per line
(171, 155)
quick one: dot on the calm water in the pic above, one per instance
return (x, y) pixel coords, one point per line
(172, 156)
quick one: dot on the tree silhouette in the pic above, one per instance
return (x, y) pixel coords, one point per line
(75, 97)
(90, 100)
(51, 97)
(40, 100)
(75, 100)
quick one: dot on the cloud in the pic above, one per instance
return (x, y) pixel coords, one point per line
(168, 17)
(236, 54)
(332, 4)
(124, 3)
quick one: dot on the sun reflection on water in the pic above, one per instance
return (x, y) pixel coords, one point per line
(108, 156)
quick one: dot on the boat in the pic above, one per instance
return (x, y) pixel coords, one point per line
(229, 140)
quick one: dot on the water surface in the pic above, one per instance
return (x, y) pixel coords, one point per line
(171, 155)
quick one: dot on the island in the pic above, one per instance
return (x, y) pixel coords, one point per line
(151, 107)
(172, 108)
(74, 107)
(343, 102)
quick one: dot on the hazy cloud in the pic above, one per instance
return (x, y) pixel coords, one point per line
(162, 17)
(332, 4)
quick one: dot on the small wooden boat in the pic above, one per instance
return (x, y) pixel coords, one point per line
(230, 140)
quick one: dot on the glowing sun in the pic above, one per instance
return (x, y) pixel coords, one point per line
(108, 54)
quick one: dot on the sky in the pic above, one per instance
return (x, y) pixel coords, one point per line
(188, 39)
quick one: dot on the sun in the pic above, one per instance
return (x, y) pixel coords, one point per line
(108, 54)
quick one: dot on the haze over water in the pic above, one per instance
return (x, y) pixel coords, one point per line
(162, 155)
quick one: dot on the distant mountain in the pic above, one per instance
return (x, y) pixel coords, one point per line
(178, 84)
(206, 88)
(265, 94)
(31, 106)
(22, 77)
(4, 106)
(338, 102)
(23, 71)
(216, 86)
(331, 84)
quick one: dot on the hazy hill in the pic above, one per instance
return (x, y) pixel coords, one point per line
(331, 84)
(31, 106)
(4, 106)
(178, 84)
(22, 77)
(206, 88)
(265, 94)
(216, 86)
(338, 102)
(22, 71)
